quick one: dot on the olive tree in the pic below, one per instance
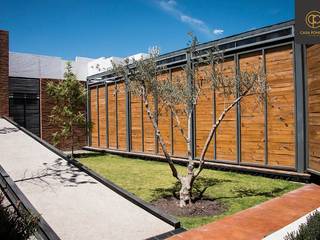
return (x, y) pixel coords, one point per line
(183, 94)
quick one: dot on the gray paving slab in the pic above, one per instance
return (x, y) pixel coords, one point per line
(73, 203)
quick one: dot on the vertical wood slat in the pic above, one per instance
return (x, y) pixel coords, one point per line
(102, 116)
(204, 115)
(252, 117)
(313, 80)
(179, 144)
(136, 124)
(121, 110)
(112, 116)
(164, 119)
(226, 135)
(281, 107)
(94, 117)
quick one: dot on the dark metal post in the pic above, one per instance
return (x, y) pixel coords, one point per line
(107, 114)
(117, 117)
(98, 115)
(171, 119)
(128, 116)
(300, 108)
(88, 115)
(266, 151)
(238, 112)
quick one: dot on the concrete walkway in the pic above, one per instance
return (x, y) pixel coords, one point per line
(73, 203)
(260, 221)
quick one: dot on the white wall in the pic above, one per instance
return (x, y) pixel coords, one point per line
(41, 66)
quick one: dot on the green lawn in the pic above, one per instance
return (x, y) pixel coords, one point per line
(150, 180)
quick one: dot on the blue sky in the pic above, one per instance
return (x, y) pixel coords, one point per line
(95, 28)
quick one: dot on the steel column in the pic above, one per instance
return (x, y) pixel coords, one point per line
(98, 117)
(107, 114)
(265, 113)
(238, 111)
(128, 115)
(300, 108)
(117, 117)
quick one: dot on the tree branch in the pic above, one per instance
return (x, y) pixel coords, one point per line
(214, 129)
(178, 123)
(156, 128)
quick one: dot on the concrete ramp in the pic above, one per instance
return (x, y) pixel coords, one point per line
(75, 203)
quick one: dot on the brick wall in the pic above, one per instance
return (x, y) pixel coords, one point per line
(48, 129)
(4, 72)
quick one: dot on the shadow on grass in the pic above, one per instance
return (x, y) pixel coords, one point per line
(199, 187)
(250, 192)
(202, 184)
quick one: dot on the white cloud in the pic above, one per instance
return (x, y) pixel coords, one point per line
(171, 7)
(191, 20)
(217, 31)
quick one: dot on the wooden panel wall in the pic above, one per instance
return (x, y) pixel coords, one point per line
(122, 116)
(226, 136)
(164, 119)
(281, 102)
(112, 105)
(94, 117)
(313, 76)
(179, 144)
(102, 116)
(252, 117)
(204, 115)
(136, 124)
(279, 113)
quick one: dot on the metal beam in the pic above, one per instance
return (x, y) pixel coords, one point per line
(300, 108)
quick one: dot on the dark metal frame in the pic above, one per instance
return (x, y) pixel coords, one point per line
(300, 107)
(107, 113)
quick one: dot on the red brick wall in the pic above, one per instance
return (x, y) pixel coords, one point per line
(48, 129)
(4, 72)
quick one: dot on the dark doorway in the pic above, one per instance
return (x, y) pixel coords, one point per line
(24, 105)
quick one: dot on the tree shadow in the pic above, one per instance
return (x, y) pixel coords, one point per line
(200, 186)
(60, 171)
(252, 192)
(6, 130)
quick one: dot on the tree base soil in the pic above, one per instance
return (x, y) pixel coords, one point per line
(203, 207)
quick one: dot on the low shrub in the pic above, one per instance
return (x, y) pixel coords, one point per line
(15, 226)
(307, 231)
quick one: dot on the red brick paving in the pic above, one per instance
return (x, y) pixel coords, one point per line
(261, 220)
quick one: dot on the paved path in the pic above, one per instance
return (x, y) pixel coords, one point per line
(257, 222)
(73, 203)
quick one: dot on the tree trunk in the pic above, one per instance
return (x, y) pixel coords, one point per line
(187, 181)
(186, 190)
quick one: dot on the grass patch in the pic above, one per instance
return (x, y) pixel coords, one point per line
(151, 180)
